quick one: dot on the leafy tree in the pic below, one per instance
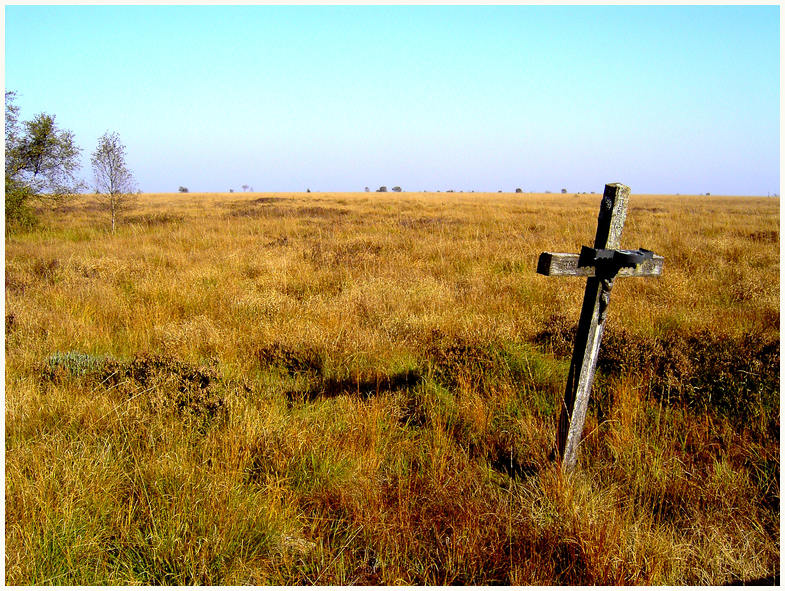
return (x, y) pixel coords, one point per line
(396, 189)
(381, 189)
(183, 189)
(518, 190)
(41, 163)
(114, 183)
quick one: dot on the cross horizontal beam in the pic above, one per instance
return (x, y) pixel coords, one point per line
(563, 264)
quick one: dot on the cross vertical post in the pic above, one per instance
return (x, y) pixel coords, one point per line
(613, 212)
(600, 265)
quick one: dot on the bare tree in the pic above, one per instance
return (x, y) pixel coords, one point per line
(114, 183)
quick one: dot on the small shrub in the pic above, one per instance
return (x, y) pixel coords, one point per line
(154, 219)
(289, 359)
(73, 363)
(168, 384)
(18, 212)
(10, 323)
(47, 269)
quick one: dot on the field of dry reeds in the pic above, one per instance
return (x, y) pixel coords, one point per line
(363, 389)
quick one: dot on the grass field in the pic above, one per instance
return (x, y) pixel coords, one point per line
(363, 388)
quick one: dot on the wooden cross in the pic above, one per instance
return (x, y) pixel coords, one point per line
(601, 265)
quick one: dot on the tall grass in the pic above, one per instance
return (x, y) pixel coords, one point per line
(362, 389)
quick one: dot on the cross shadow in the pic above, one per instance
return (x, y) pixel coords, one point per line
(771, 580)
(507, 464)
(364, 388)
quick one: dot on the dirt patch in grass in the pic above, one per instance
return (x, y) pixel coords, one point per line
(635, 209)
(344, 254)
(88, 206)
(765, 236)
(266, 200)
(424, 222)
(273, 207)
(279, 241)
(253, 211)
(10, 323)
(13, 282)
(153, 219)
(319, 212)
(46, 270)
(263, 207)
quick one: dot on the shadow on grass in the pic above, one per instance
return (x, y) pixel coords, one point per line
(506, 463)
(363, 387)
(771, 580)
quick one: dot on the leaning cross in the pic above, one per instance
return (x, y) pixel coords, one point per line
(600, 265)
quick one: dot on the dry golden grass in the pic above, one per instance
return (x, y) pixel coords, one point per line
(361, 389)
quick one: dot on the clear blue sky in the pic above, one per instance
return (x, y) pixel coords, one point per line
(664, 99)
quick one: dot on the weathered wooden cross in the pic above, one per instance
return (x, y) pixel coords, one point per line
(601, 265)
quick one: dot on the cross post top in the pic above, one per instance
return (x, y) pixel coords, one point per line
(606, 260)
(613, 213)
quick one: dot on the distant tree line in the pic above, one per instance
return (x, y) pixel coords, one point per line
(383, 189)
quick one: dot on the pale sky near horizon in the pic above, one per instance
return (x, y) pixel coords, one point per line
(665, 99)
